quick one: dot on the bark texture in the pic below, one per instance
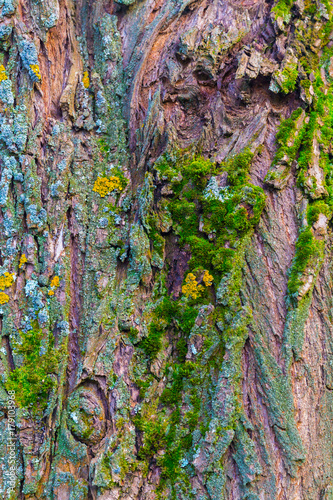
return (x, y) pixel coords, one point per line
(166, 249)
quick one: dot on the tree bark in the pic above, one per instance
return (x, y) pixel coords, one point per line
(165, 269)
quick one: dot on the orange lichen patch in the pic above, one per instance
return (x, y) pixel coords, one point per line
(3, 75)
(35, 69)
(54, 284)
(3, 298)
(55, 281)
(191, 288)
(23, 260)
(105, 185)
(207, 278)
(6, 281)
(86, 80)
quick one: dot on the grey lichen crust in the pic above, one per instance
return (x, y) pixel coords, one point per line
(165, 249)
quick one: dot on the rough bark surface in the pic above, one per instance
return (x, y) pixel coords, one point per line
(165, 269)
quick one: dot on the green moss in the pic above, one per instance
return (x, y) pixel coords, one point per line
(185, 213)
(306, 148)
(133, 334)
(238, 168)
(32, 381)
(173, 394)
(288, 140)
(315, 208)
(227, 220)
(160, 434)
(198, 171)
(288, 78)
(152, 344)
(155, 237)
(282, 9)
(153, 435)
(166, 315)
(287, 127)
(308, 249)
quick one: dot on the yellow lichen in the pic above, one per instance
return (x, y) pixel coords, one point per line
(3, 75)
(3, 298)
(6, 281)
(23, 260)
(54, 284)
(191, 288)
(207, 278)
(86, 80)
(55, 281)
(105, 185)
(35, 70)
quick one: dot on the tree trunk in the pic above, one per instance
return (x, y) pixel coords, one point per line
(166, 194)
